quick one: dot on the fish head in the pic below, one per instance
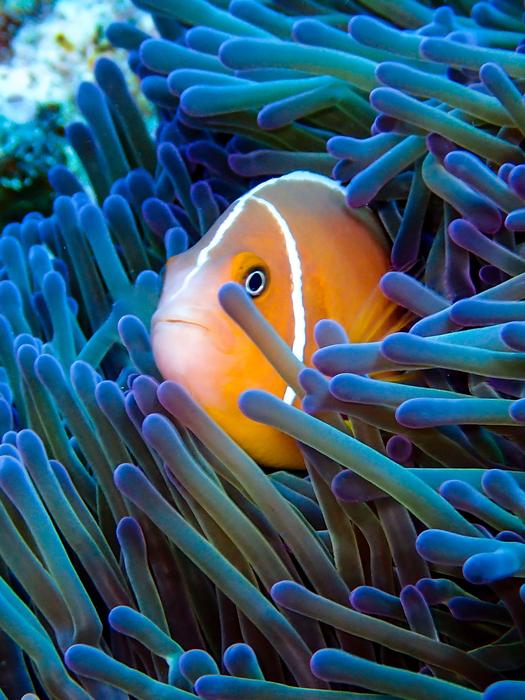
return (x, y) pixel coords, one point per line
(196, 343)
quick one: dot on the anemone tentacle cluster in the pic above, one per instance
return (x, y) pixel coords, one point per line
(142, 553)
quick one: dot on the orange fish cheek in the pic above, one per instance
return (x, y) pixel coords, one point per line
(186, 354)
(251, 370)
(229, 374)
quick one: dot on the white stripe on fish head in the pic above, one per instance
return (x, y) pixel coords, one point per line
(296, 278)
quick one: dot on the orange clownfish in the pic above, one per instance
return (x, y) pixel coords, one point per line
(303, 256)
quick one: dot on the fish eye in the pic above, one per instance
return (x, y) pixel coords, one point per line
(255, 282)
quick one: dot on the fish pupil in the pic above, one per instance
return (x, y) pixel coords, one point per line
(255, 282)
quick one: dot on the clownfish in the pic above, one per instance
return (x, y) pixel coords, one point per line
(302, 255)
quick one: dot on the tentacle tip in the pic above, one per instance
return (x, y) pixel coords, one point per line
(250, 402)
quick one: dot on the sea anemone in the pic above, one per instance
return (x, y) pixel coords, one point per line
(143, 553)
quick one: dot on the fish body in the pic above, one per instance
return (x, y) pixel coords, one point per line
(303, 256)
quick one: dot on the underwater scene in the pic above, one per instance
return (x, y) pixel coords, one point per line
(262, 350)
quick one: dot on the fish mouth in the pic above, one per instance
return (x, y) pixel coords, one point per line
(218, 336)
(185, 321)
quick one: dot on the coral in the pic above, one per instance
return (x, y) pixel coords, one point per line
(143, 553)
(41, 66)
(29, 151)
(12, 15)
